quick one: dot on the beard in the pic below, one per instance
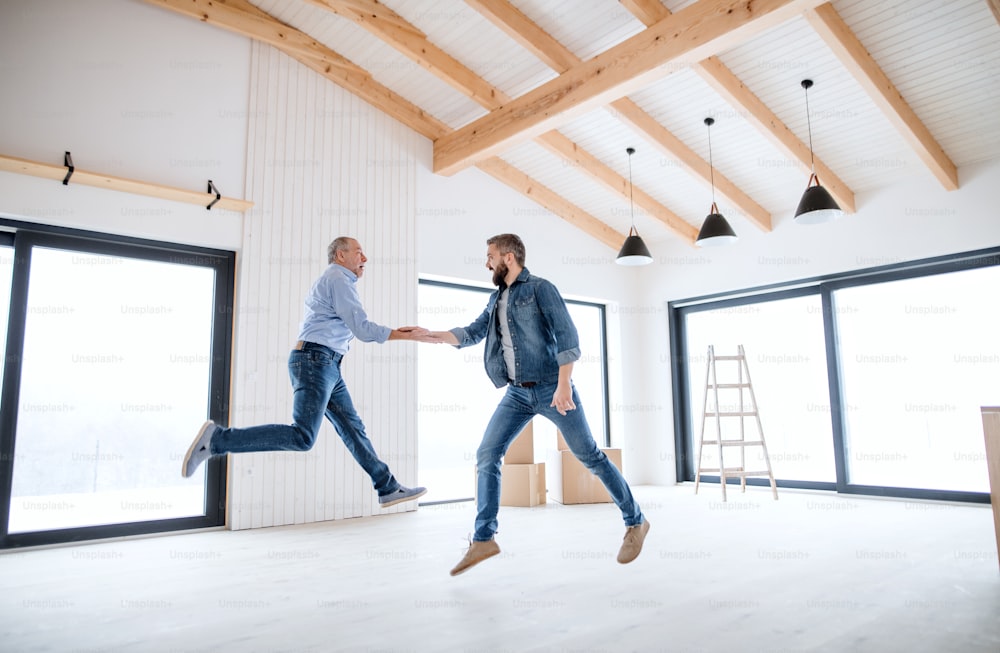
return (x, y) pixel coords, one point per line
(499, 273)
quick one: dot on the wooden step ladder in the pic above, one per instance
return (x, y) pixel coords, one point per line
(742, 411)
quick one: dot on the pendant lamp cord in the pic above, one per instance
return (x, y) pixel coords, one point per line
(812, 161)
(711, 167)
(630, 151)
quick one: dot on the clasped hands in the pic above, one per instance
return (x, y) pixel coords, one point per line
(562, 400)
(420, 334)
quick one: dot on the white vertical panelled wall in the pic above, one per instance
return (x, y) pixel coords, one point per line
(321, 163)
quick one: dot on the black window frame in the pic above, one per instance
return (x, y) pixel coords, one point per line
(824, 286)
(24, 236)
(605, 440)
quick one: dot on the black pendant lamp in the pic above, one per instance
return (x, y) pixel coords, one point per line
(715, 230)
(816, 205)
(633, 251)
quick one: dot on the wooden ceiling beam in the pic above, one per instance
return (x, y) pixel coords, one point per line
(632, 114)
(728, 85)
(521, 28)
(648, 12)
(853, 55)
(758, 114)
(549, 199)
(595, 169)
(527, 33)
(995, 8)
(394, 30)
(241, 17)
(695, 32)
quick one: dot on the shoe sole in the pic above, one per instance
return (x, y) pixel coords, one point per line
(456, 573)
(398, 501)
(194, 445)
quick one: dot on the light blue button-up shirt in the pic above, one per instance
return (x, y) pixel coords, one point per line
(334, 314)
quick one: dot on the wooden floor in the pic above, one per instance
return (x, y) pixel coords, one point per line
(810, 572)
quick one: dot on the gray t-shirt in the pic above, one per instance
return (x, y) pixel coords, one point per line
(505, 340)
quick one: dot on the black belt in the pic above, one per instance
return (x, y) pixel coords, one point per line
(526, 384)
(303, 345)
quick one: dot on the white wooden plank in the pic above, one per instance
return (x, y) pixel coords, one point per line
(316, 151)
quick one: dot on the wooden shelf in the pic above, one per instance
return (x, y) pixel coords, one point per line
(58, 173)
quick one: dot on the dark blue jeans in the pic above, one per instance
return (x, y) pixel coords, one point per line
(318, 390)
(515, 410)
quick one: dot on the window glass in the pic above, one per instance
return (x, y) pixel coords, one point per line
(786, 360)
(114, 380)
(919, 357)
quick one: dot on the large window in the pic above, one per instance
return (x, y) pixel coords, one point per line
(456, 399)
(919, 357)
(117, 350)
(783, 341)
(869, 382)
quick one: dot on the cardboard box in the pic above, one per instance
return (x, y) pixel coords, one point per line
(560, 442)
(520, 484)
(570, 482)
(522, 449)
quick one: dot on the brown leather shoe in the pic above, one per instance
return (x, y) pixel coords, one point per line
(634, 536)
(478, 551)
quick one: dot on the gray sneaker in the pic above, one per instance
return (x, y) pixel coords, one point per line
(401, 495)
(200, 450)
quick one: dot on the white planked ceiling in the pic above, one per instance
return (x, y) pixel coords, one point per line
(942, 55)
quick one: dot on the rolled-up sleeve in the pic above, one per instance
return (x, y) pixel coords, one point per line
(554, 311)
(567, 356)
(475, 332)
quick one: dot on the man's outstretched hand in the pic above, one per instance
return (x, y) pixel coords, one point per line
(420, 334)
(408, 333)
(439, 337)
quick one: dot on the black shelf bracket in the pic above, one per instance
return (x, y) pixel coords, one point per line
(218, 195)
(68, 162)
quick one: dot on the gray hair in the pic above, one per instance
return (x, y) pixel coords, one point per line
(339, 244)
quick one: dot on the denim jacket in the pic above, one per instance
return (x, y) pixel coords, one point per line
(541, 329)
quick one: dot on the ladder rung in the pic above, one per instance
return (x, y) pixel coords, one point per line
(728, 358)
(728, 473)
(728, 385)
(733, 443)
(735, 413)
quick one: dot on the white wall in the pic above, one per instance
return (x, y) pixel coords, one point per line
(321, 164)
(131, 91)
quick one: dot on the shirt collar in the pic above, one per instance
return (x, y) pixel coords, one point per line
(522, 276)
(349, 274)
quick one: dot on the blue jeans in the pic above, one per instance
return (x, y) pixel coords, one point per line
(515, 410)
(318, 389)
